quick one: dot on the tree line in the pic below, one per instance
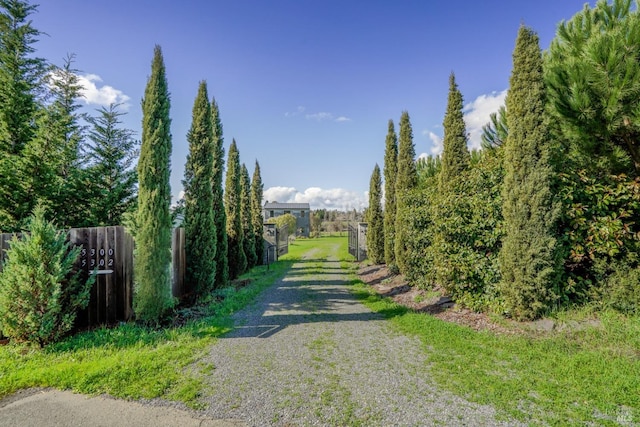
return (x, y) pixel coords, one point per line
(59, 166)
(546, 215)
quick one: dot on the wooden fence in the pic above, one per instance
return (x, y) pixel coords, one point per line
(107, 252)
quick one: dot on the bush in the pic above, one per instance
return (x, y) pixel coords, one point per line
(39, 295)
(468, 232)
(600, 233)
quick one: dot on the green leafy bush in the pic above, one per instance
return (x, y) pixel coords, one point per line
(416, 216)
(600, 232)
(468, 233)
(39, 295)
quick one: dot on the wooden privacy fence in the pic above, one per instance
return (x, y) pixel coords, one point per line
(106, 252)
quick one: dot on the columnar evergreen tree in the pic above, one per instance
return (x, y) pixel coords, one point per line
(232, 204)
(256, 212)
(527, 255)
(222, 251)
(199, 219)
(153, 236)
(455, 154)
(21, 82)
(390, 172)
(249, 241)
(406, 179)
(111, 154)
(375, 227)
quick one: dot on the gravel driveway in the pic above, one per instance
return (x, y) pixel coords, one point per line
(308, 353)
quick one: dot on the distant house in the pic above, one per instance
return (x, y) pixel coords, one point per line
(301, 211)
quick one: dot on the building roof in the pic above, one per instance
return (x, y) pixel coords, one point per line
(276, 205)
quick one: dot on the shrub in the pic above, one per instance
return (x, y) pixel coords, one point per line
(39, 295)
(600, 232)
(468, 232)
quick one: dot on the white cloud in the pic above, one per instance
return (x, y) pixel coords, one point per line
(477, 114)
(101, 95)
(436, 144)
(318, 198)
(297, 112)
(343, 119)
(321, 116)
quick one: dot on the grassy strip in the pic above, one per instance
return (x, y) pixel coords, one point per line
(131, 361)
(573, 377)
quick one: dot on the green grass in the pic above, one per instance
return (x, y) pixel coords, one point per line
(131, 361)
(564, 378)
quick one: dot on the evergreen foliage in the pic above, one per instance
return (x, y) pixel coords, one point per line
(455, 154)
(390, 173)
(494, 133)
(232, 204)
(257, 219)
(593, 77)
(249, 241)
(111, 155)
(529, 272)
(406, 179)
(21, 84)
(39, 295)
(153, 297)
(199, 219)
(375, 220)
(428, 167)
(222, 251)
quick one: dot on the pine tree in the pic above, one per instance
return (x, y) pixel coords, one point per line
(21, 81)
(406, 179)
(248, 236)
(53, 155)
(256, 212)
(153, 296)
(111, 155)
(527, 254)
(199, 219)
(232, 204)
(455, 154)
(375, 227)
(222, 251)
(39, 294)
(390, 173)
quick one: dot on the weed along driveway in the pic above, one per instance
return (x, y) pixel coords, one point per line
(308, 353)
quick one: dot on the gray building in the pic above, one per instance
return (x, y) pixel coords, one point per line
(301, 211)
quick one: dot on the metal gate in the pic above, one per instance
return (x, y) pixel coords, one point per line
(276, 242)
(358, 240)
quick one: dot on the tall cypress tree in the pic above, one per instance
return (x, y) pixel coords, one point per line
(153, 236)
(249, 241)
(232, 204)
(199, 220)
(527, 254)
(390, 172)
(256, 212)
(222, 251)
(455, 154)
(406, 179)
(375, 228)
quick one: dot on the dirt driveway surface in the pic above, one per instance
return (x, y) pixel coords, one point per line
(307, 353)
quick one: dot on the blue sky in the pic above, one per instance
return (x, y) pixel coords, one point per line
(304, 87)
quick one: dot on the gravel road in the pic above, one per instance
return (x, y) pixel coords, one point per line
(309, 354)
